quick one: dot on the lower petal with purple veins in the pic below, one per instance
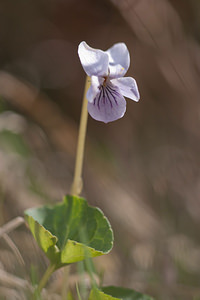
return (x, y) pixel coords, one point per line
(108, 105)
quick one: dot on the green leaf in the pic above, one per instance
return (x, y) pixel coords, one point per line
(70, 231)
(124, 293)
(96, 294)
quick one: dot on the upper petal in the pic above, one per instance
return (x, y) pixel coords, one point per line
(109, 105)
(119, 60)
(128, 87)
(94, 61)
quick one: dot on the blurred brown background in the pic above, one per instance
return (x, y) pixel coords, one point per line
(142, 170)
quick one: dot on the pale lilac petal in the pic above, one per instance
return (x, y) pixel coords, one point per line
(93, 90)
(128, 87)
(109, 105)
(94, 61)
(119, 60)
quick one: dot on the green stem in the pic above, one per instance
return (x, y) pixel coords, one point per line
(43, 281)
(77, 181)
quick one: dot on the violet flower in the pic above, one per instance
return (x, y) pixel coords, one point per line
(105, 96)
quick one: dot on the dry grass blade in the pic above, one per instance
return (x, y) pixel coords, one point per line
(13, 281)
(14, 248)
(11, 294)
(11, 225)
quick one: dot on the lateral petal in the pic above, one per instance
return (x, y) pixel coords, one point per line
(119, 60)
(94, 88)
(94, 61)
(128, 87)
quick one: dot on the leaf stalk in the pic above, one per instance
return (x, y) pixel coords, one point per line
(51, 268)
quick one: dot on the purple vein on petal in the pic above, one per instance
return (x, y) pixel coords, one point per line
(98, 100)
(113, 91)
(107, 94)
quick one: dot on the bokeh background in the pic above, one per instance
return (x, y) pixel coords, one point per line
(142, 171)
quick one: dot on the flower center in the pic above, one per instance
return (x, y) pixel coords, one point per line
(105, 80)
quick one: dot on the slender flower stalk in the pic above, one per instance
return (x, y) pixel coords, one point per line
(77, 181)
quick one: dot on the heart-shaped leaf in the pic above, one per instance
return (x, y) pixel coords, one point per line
(124, 293)
(70, 231)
